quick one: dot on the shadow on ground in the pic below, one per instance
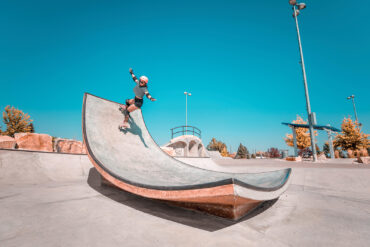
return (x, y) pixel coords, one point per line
(165, 211)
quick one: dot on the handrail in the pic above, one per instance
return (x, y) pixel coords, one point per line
(186, 129)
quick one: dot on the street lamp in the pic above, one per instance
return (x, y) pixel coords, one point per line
(186, 111)
(296, 8)
(354, 106)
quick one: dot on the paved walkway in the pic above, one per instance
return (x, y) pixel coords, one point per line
(324, 206)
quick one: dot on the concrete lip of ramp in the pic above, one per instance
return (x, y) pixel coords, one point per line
(131, 160)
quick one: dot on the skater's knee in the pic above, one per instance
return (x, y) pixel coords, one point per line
(127, 102)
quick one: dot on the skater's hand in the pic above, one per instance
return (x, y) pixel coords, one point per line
(131, 71)
(153, 99)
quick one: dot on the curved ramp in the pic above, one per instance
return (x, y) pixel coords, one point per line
(131, 160)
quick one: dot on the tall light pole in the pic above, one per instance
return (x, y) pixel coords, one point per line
(354, 106)
(296, 8)
(186, 111)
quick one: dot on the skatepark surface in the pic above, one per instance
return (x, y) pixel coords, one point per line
(50, 199)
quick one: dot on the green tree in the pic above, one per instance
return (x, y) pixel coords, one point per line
(242, 152)
(326, 149)
(32, 128)
(15, 121)
(351, 137)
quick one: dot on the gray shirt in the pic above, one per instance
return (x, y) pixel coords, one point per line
(140, 91)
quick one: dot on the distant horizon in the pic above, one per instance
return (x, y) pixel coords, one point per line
(240, 61)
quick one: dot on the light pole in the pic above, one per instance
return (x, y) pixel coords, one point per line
(186, 111)
(296, 8)
(354, 106)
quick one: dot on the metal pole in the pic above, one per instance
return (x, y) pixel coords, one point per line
(354, 107)
(186, 114)
(330, 139)
(306, 90)
(295, 142)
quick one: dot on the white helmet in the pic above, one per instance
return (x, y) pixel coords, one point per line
(144, 79)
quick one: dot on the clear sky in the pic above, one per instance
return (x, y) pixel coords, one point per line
(239, 59)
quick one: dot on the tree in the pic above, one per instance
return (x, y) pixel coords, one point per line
(273, 153)
(242, 152)
(326, 149)
(351, 137)
(215, 145)
(32, 128)
(224, 152)
(303, 135)
(15, 121)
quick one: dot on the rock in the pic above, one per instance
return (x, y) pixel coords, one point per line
(364, 160)
(69, 146)
(7, 142)
(34, 141)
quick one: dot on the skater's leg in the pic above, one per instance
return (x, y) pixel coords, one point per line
(128, 103)
(131, 108)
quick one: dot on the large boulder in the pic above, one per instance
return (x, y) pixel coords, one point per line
(69, 146)
(7, 142)
(34, 141)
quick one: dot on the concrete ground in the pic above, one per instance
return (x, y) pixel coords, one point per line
(56, 200)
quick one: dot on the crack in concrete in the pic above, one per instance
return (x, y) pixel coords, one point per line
(9, 196)
(70, 200)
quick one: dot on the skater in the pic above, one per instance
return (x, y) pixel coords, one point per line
(140, 90)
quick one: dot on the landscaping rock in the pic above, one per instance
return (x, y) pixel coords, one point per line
(69, 146)
(364, 160)
(7, 142)
(34, 141)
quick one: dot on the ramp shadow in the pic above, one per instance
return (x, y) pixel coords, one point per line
(166, 211)
(135, 130)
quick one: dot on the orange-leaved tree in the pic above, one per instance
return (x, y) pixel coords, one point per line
(215, 145)
(351, 137)
(16, 121)
(302, 134)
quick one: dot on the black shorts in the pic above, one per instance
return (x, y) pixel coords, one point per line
(138, 102)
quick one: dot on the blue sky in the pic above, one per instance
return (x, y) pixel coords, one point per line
(239, 59)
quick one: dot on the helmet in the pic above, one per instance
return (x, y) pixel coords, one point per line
(144, 79)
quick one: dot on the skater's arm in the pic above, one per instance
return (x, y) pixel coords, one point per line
(133, 76)
(147, 94)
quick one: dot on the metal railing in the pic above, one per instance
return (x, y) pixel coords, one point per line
(186, 130)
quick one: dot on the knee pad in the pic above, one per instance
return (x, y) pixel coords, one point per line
(127, 102)
(127, 112)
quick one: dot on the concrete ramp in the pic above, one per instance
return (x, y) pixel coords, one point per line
(131, 160)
